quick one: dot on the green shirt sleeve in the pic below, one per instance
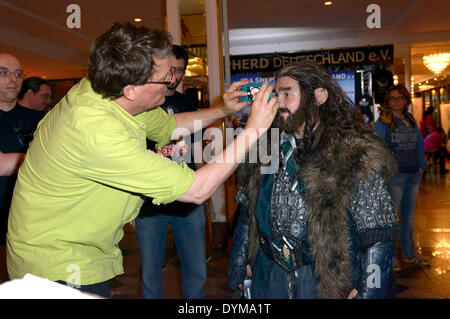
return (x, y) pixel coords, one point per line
(117, 157)
(159, 126)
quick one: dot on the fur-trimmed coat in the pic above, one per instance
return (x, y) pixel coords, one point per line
(331, 175)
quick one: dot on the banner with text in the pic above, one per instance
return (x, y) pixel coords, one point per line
(333, 57)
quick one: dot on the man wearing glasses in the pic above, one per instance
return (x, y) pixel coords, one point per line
(17, 125)
(186, 219)
(88, 168)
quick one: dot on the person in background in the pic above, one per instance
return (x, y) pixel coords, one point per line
(186, 219)
(434, 143)
(427, 124)
(35, 94)
(236, 122)
(88, 168)
(400, 132)
(17, 125)
(318, 225)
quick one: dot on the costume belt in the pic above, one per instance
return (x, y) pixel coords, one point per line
(287, 251)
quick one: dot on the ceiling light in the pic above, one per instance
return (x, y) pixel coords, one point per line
(328, 3)
(137, 19)
(437, 62)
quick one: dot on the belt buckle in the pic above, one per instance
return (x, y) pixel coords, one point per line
(287, 252)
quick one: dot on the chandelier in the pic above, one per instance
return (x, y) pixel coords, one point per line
(437, 62)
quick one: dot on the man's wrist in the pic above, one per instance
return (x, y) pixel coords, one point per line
(224, 111)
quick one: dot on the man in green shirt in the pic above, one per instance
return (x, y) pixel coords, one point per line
(87, 168)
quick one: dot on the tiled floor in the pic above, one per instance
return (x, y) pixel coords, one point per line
(432, 240)
(128, 284)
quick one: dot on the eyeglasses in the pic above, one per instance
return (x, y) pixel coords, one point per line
(167, 81)
(178, 69)
(397, 98)
(5, 73)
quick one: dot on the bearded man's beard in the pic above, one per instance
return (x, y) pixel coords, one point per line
(293, 120)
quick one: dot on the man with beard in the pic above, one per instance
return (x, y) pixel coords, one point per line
(186, 219)
(323, 224)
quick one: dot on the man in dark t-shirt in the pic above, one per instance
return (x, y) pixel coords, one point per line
(17, 125)
(186, 219)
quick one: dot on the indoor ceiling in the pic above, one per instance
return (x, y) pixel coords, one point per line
(36, 31)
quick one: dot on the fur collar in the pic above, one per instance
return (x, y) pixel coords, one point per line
(332, 177)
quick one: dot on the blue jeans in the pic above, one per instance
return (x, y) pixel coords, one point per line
(404, 189)
(189, 236)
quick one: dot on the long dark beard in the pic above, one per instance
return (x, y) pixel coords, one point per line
(292, 122)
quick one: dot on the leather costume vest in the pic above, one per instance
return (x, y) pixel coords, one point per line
(288, 214)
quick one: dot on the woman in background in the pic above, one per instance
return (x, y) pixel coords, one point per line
(400, 132)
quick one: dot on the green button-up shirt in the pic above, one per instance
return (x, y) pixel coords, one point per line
(82, 181)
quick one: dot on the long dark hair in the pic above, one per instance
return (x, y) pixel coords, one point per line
(335, 115)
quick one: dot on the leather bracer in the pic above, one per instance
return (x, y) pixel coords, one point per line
(376, 279)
